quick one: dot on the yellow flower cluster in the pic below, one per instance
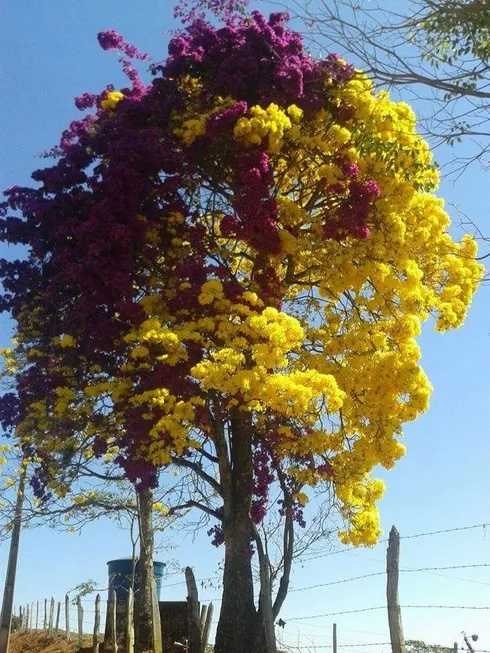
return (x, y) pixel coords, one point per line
(67, 341)
(112, 99)
(271, 122)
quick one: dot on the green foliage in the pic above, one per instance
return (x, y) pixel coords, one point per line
(458, 29)
(16, 624)
(418, 646)
(83, 589)
(434, 51)
(457, 34)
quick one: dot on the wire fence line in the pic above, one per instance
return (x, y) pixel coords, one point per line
(411, 536)
(383, 573)
(383, 607)
(40, 616)
(361, 646)
(43, 618)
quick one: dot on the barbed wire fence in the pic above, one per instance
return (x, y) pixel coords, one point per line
(76, 614)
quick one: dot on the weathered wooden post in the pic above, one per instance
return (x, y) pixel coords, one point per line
(37, 615)
(130, 622)
(80, 620)
(51, 615)
(67, 617)
(394, 612)
(58, 611)
(111, 629)
(334, 638)
(27, 617)
(31, 618)
(156, 623)
(96, 625)
(206, 628)
(194, 644)
(45, 616)
(202, 619)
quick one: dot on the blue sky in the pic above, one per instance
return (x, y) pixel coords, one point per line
(50, 54)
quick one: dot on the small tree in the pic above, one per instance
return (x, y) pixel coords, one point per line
(227, 272)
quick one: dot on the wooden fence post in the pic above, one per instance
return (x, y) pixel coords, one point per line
(394, 612)
(156, 623)
(45, 616)
(110, 639)
(37, 615)
(202, 618)
(80, 620)
(27, 617)
(194, 645)
(130, 622)
(31, 622)
(58, 611)
(67, 618)
(334, 638)
(206, 628)
(96, 624)
(51, 615)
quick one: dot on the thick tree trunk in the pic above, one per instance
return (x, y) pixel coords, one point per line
(239, 628)
(147, 628)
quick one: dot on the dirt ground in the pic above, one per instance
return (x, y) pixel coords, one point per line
(40, 642)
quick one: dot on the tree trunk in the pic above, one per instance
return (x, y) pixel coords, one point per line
(239, 629)
(147, 619)
(8, 593)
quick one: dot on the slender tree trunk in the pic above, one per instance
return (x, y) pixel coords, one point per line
(147, 617)
(8, 593)
(239, 629)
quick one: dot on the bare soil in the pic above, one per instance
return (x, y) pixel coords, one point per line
(40, 642)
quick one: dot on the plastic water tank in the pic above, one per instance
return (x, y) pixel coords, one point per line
(120, 571)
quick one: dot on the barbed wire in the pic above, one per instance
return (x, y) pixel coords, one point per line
(364, 645)
(338, 582)
(403, 607)
(446, 530)
(354, 646)
(402, 537)
(383, 573)
(342, 580)
(484, 564)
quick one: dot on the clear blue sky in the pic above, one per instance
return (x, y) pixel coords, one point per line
(50, 54)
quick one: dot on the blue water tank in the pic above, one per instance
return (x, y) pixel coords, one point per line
(120, 571)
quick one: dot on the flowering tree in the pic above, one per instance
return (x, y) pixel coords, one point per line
(227, 271)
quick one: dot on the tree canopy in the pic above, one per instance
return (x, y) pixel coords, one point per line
(226, 270)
